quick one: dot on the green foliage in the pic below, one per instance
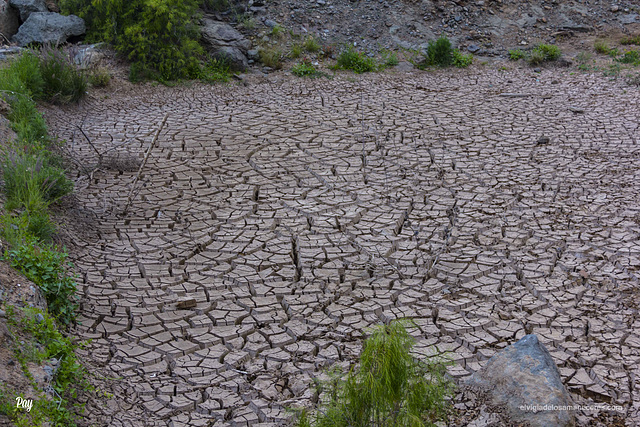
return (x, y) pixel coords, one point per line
(215, 70)
(631, 40)
(271, 57)
(48, 268)
(543, 53)
(461, 60)
(247, 22)
(390, 387)
(304, 69)
(311, 45)
(630, 57)
(159, 37)
(358, 62)
(601, 47)
(517, 54)
(439, 53)
(216, 5)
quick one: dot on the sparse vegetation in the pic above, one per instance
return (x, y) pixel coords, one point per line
(311, 45)
(388, 388)
(277, 31)
(271, 57)
(389, 58)
(517, 54)
(601, 47)
(358, 62)
(296, 51)
(215, 70)
(99, 77)
(631, 57)
(631, 40)
(439, 53)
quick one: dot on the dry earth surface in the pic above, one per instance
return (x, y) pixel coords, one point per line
(296, 213)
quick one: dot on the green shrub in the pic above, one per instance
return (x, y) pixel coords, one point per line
(516, 54)
(27, 68)
(547, 52)
(601, 47)
(631, 40)
(271, 58)
(439, 52)
(389, 388)
(630, 57)
(358, 62)
(277, 31)
(311, 45)
(461, 60)
(63, 81)
(159, 37)
(31, 182)
(216, 70)
(49, 269)
(304, 69)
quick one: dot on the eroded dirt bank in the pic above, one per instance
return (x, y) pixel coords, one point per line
(299, 212)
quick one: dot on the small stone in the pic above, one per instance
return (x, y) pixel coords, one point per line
(576, 110)
(3, 314)
(186, 304)
(615, 8)
(537, 70)
(473, 48)
(39, 318)
(270, 23)
(543, 140)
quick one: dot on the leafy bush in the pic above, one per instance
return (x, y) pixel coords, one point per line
(358, 62)
(311, 45)
(516, 54)
(630, 57)
(543, 53)
(601, 47)
(439, 52)
(271, 58)
(390, 387)
(32, 183)
(461, 60)
(159, 37)
(49, 269)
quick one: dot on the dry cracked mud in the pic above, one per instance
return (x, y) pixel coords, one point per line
(297, 213)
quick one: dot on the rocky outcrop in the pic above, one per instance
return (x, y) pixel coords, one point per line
(222, 40)
(9, 21)
(49, 27)
(27, 7)
(524, 380)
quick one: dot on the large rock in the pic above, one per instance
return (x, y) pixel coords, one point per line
(222, 40)
(27, 7)
(525, 381)
(9, 21)
(49, 27)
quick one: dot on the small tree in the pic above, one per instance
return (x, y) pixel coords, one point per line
(390, 388)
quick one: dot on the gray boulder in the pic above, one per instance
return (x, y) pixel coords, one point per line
(222, 40)
(49, 27)
(9, 21)
(525, 381)
(27, 7)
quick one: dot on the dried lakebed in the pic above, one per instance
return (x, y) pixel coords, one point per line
(297, 213)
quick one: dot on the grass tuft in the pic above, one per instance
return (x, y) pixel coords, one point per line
(517, 54)
(271, 57)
